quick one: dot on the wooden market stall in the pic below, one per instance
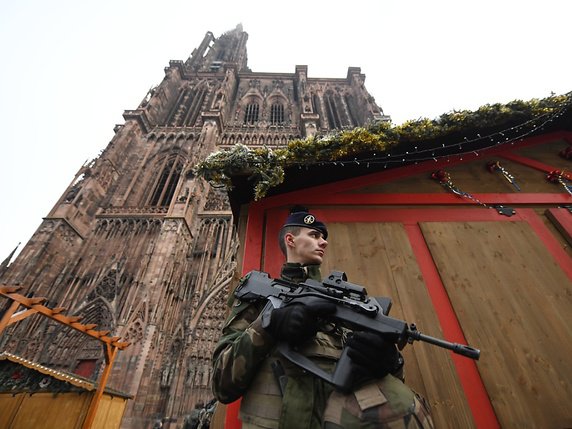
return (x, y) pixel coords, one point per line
(34, 396)
(470, 235)
(34, 407)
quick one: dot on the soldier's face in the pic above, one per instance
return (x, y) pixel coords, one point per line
(307, 247)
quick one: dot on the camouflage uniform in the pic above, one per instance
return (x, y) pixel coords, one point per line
(243, 362)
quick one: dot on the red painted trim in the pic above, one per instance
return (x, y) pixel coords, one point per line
(537, 165)
(231, 420)
(273, 258)
(550, 242)
(251, 261)
(473, 387)
(412, 216)
(254, 239)
(429, 199)
(564, 219)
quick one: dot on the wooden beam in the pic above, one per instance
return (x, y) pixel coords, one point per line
(532, 163)
(21, 315)
(9, 289)
(5, 321)
(110, 353)
(71, 321)
(562, 220)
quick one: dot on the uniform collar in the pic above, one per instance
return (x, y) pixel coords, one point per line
(297, 273)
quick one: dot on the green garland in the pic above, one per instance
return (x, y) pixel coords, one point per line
(265, 167)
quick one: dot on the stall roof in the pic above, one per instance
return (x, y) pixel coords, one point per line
(361, 151)
(72, 379)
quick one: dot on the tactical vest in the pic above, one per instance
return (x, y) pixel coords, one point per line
(303, 396)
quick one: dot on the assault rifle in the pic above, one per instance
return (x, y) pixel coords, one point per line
(354, 310)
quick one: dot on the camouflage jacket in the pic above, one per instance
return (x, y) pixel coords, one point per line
(244, 344)
(245, 363)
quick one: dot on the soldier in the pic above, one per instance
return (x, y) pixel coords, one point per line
(278, 394)
(194, 418)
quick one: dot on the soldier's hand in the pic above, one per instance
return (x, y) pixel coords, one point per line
(372, 355)
(297, 322)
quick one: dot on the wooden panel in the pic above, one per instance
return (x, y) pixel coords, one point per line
(472, 177)
(219, 416)
(555, 228)
(47, 411)
(9, 406)
(379, 256)
(513, 301)
(561, 219)
(547, 153)
(109, 412)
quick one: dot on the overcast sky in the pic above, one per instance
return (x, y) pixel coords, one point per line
(70, 68)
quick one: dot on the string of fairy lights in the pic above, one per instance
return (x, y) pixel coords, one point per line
(418, 154)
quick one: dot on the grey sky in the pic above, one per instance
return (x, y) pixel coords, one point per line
(70, 68)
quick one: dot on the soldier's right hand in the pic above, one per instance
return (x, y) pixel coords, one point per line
(372, 355)
(297, 322)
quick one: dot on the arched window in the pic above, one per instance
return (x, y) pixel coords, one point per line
(251, 113)
(187, 107)
(351, 109)
(332, 110)
(276, 114)
(164, 181)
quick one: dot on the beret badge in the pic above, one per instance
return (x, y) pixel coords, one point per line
(309, 220)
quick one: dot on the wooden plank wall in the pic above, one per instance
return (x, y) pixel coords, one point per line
(46, 411)
(9, 405)
(379, 256)
(509, 294)
(109, 412)
(515, 302)
(53, 410)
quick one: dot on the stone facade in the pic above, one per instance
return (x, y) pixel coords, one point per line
(139, 246)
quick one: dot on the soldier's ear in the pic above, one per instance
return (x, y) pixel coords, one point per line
(289, 239)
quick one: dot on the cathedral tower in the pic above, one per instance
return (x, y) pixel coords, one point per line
(139, 246)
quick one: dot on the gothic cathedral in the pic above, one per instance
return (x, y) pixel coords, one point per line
(139, 246)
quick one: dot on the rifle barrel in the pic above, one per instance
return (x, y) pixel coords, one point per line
(460, 349)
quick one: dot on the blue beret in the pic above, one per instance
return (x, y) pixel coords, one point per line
(307, 220)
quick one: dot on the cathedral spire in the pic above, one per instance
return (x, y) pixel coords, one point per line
(213, 54)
